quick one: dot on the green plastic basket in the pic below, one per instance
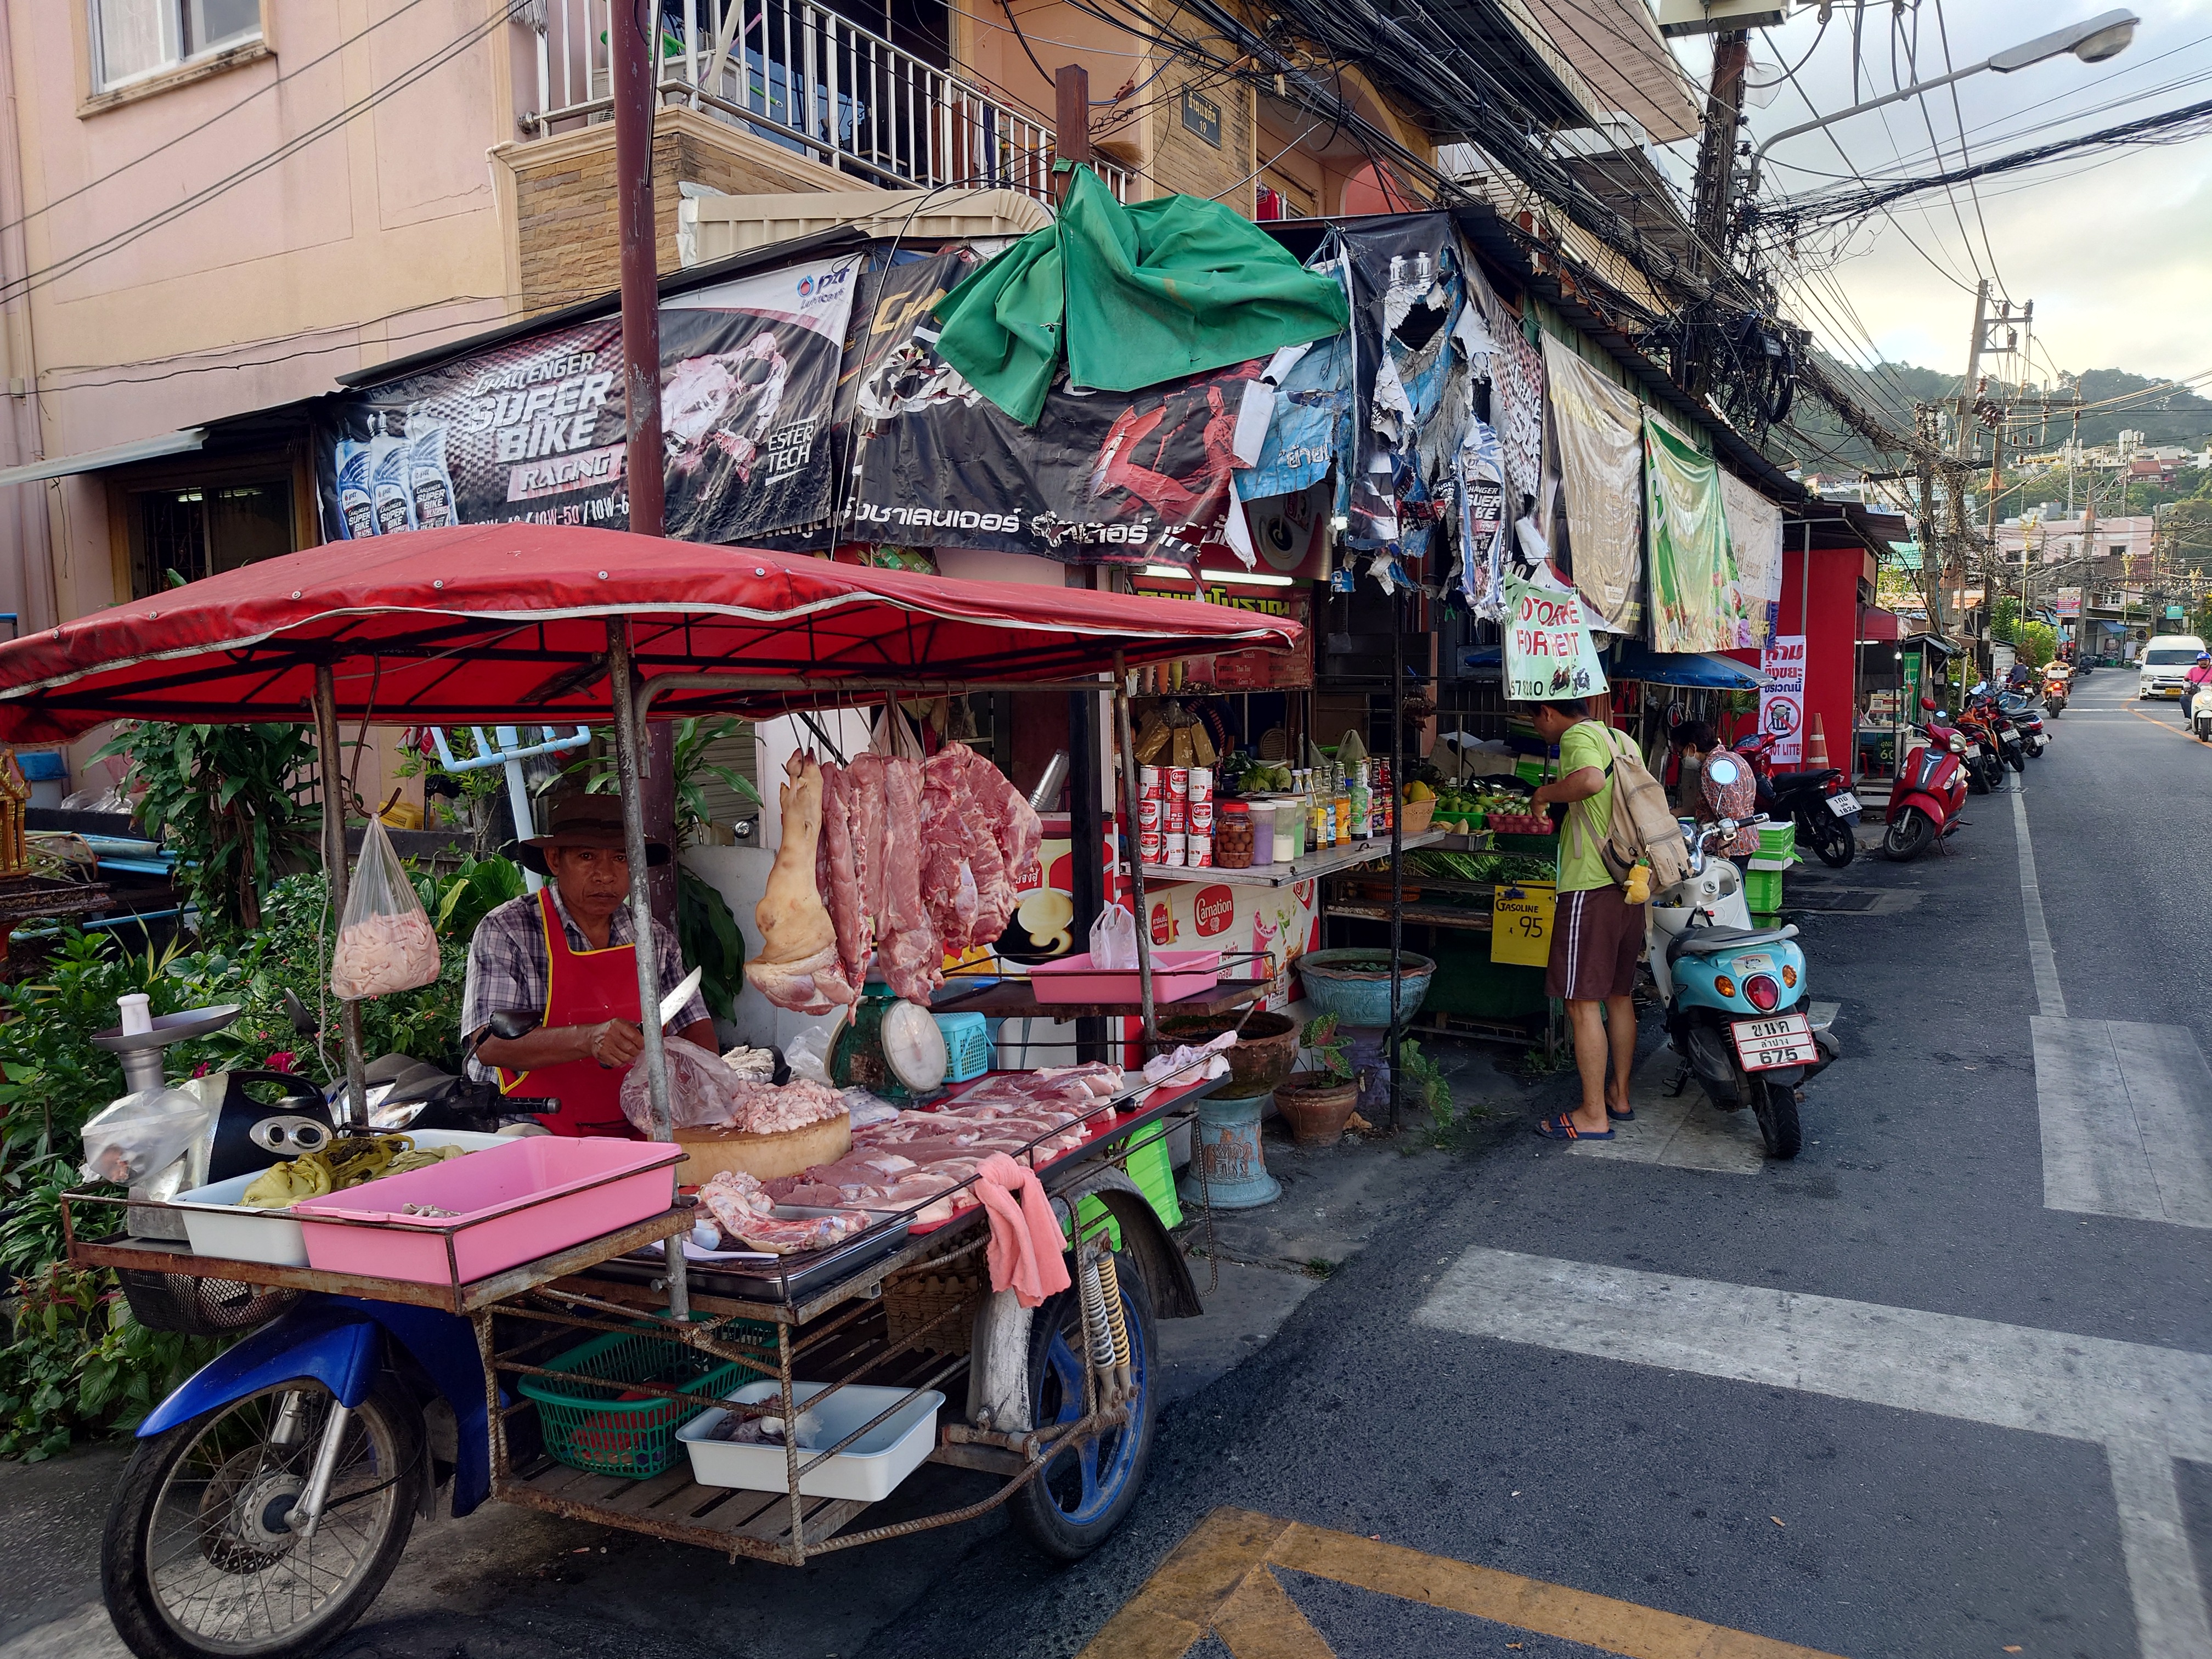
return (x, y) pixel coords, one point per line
(1762, 891)
(587, 1424)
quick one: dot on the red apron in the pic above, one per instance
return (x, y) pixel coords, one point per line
(582, 987)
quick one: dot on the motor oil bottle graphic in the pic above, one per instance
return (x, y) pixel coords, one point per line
(356, 507)
(428, 479)
(388, 477)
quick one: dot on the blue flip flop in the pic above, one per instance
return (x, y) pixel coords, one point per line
(1628, 1116)
(1560, 1126)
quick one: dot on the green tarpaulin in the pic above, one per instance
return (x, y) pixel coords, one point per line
(1692, 572)
(1129, 297)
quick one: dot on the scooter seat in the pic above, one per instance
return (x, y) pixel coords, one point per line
(1710, 941)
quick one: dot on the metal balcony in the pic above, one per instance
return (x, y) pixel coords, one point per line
(810, 80)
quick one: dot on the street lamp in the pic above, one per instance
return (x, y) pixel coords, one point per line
(2093, 41)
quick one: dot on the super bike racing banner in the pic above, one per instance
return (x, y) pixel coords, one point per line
(1102, 477)
(531, 431)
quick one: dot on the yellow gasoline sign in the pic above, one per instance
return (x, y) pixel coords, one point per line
(1521, 922)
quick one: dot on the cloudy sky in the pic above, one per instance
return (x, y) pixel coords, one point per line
(2114, 249)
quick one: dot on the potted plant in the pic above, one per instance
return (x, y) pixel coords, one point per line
(1316, 1104)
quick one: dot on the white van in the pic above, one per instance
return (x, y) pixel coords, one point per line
(2166, 660)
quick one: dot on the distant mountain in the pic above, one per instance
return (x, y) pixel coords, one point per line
(1822, 443)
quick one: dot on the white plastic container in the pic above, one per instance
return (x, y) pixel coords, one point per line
(866, 1470)
(217, 1224)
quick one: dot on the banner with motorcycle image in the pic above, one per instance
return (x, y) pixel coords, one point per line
(1549, 654)
(531, 430)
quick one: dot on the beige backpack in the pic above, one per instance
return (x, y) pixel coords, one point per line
(1644, 829)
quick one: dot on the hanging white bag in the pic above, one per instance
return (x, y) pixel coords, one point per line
(1113, 939)
(385, 942)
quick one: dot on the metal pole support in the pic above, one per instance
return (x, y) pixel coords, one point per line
(1126, 742)
(354, 1111)
(622, 677)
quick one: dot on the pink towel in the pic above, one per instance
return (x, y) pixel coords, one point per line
(1026, 1242)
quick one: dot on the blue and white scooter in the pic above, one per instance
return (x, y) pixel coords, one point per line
(1734, 996)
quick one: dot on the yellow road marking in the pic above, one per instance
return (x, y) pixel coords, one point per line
(1221, 1579)
(2149, 719)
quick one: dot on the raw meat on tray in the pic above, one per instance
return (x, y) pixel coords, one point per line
(746, 1214)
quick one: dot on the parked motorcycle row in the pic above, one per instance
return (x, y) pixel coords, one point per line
(1996, 730)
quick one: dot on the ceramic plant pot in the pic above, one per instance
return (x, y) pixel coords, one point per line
(1317, 1106)
(1263, 1054)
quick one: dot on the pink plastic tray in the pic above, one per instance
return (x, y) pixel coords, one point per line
(1175, 975)
(513, 1204)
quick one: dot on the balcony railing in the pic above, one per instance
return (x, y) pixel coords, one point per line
(810, 80)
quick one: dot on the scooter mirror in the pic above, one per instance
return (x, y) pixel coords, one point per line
(508, 1025)
(303, 1023)
(1723, 771)
(1927, 703)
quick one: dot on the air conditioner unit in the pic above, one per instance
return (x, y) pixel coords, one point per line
(1711, 16)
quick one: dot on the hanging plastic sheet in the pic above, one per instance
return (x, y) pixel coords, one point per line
(1755, 527)
(1483, 523)
(1406, 292)
(1516, 406)
(1600, 429)
(1303, 429)
(1693, 572)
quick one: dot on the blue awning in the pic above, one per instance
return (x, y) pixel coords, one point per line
(1635, 661)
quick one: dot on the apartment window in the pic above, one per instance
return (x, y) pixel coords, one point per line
(134, 39)
(2119, 550)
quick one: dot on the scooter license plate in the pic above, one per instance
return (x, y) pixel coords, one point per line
(1844, 805)
(1765, 1045)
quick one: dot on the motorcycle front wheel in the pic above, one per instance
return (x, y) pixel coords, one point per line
(1908, 836)
(200, 1558)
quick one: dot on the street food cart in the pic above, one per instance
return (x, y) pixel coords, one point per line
(268, 1498)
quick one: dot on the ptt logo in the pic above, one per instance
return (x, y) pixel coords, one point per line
(805, 287)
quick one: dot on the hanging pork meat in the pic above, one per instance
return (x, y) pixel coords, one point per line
(799, 967)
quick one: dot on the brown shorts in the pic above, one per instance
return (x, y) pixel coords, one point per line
(1597, 938)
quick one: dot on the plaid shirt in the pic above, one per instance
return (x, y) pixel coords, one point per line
(508, 968)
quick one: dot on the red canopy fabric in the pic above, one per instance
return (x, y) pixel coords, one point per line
(507, 624)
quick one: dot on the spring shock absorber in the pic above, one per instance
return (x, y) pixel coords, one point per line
(1097, 1332)
(1117, 1322)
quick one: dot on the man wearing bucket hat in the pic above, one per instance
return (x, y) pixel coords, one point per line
(567, 956)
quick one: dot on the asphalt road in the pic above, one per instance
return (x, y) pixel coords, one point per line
(1774, 1477)
(1882, 1402)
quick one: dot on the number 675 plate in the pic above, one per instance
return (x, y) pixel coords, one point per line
(1764, 1045)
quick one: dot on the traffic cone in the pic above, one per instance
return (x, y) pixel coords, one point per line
(1816, 745)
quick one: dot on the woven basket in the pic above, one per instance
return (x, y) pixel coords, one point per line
(912, 1301)
(1414, 817)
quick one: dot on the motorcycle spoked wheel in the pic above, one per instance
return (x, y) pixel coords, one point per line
(1775, 1106)
(199, 1559)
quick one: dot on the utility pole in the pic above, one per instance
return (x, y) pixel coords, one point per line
(1962, 425)
(1716, 191)
(635, 26)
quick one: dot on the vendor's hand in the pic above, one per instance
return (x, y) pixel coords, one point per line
(615, 1043)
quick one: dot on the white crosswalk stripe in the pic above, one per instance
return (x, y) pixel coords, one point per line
(2145, 1405)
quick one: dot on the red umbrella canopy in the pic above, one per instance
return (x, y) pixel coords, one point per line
(507, 624)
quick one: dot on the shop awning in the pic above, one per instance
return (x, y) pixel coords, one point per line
(1690, 668)
(96, 460)
(507, 624)
(1880, 626)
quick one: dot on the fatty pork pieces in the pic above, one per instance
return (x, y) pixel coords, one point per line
(918, 1158)
(898, 861)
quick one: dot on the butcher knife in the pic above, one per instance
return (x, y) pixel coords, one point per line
(676, 997)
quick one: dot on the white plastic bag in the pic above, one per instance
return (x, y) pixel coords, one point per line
(142, 1134)
(385, 943)
(1113, 939)
(807, 1054)
(699, 1088)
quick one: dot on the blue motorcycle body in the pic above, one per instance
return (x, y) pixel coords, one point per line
(340, 1342)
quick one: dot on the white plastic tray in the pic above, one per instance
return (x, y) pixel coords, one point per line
(217, 1224)
(866, 1470)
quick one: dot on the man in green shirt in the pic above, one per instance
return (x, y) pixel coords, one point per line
(1597, 935)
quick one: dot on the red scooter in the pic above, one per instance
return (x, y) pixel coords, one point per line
(1924, 806)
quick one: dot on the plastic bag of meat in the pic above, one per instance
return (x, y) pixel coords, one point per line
(385, 941)
(700, 1090)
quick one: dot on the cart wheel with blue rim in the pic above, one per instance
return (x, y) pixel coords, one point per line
(1085, 1491)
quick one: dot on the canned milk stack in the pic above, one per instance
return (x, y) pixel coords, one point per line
(1175, 817)
(1201, 811)
(1149, 812)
